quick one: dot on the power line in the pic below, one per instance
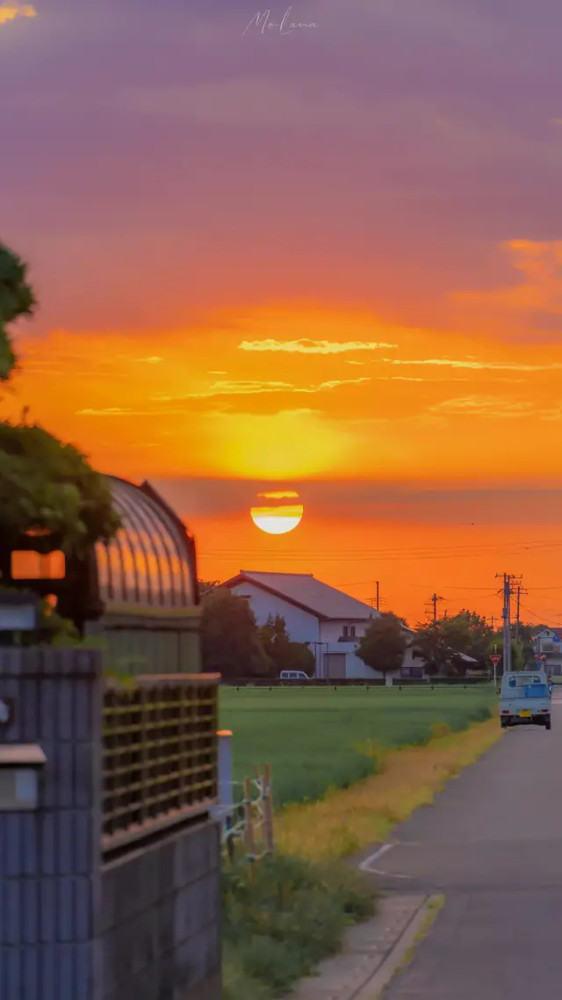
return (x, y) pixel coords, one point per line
(383, 555)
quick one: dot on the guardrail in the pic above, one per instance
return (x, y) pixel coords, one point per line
(160, 765)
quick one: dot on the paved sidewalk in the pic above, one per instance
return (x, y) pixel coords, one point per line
(368, 946)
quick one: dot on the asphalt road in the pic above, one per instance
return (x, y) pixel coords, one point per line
(492, 844)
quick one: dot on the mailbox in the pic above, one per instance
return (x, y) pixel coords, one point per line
(20, 767)
(19, 611)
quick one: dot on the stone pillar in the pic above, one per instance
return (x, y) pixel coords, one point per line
(50, 858)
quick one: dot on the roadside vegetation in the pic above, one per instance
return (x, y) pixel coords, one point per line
(343, 823)
(279, 926)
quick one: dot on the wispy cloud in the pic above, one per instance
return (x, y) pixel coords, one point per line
(10, 11)
(533, 302)
(491, 406)
(493, 366)
(305, 346)
(120, 411)
(482, 406)
(106, 411)
(252, 387)
(279, 495)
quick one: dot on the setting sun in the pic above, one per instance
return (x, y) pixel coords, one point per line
(279, 516)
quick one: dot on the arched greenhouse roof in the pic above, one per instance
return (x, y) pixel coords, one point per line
(151, 561)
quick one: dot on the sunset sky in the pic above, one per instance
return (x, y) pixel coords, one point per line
(327, 260)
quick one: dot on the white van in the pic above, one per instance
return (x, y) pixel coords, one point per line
(293, 675)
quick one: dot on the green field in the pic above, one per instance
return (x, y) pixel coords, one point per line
(319, 738)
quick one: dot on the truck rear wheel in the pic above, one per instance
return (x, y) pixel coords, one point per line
(547, 723)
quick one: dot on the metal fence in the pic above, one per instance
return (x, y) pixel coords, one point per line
(159, 754)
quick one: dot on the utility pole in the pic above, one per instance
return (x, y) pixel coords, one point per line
(508, 581)
(520, 590)
(506, 615)
(378, 595)
(434, 601)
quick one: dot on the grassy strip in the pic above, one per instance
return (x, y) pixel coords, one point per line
(277, 928)
(344, 822)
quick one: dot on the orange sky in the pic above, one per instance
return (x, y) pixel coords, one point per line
(300, 390)
(291, 393)
(325, 262)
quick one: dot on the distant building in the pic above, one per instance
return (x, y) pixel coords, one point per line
(329, 621)
(548, 643)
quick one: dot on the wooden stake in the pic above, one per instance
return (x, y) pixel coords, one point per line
(268, 811)
(249, 826)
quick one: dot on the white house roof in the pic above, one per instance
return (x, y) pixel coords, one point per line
(305, 591)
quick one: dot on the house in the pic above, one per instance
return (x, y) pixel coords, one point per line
(327, 620)
(548, 645)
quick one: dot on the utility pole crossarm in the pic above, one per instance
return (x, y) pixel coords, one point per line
(434, 601)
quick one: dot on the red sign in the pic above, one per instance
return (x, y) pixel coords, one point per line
(495, 659)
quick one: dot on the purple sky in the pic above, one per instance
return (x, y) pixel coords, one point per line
(152, 145)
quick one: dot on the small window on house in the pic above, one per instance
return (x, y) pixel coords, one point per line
(352, 631)
(30, 565)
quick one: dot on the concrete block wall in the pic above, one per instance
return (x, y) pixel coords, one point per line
(145, 926)
(160, 919)
(50, 859)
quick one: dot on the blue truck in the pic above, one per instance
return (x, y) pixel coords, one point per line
(525, 699)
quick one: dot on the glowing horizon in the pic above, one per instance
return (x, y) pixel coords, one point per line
(355, 279)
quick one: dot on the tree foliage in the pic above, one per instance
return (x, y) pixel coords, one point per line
(522, 653)
(231, 642)
(383, 645)
(284, 654)
(16, 299)
(45, 485)
(441, 643)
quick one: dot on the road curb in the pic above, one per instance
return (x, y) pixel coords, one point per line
(400, 953)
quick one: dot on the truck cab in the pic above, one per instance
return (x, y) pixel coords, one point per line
(525, 699)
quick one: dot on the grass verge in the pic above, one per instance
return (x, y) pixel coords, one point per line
(278, 927)
(344, 822)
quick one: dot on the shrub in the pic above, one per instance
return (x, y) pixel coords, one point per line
(279, 926)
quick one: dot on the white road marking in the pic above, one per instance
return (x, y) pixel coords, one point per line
(367, 864)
